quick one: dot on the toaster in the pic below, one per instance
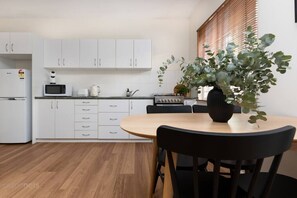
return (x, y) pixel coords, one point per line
(83, 92)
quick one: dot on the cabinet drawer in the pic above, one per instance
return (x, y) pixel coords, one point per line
(85, 126)
(112, 132)
(85, 109)
(86, 117)
(86, 134)
(113, 105)
(111, 118)
(86, 102)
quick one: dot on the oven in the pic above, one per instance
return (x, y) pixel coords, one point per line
(168, 100)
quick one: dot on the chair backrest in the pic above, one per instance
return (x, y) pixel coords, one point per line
(204, 109)
(200, 109)
(226, 146)
(169, 109)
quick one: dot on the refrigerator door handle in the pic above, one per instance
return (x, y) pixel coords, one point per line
(17, 99)
(12, 99)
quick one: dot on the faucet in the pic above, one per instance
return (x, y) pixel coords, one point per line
(131, 93)
(134, 92)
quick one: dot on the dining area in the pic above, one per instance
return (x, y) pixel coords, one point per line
(223, 159)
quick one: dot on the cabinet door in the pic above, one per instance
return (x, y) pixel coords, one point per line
(21, 43)
(142, 53)
(88, 53)
(4, 43)
(124, 53)
(70, 53)
(46, 119)
(106, 53)
(52, 53)
(64, 118)
(138, 107)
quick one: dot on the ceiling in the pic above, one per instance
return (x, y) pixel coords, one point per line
(97, 8)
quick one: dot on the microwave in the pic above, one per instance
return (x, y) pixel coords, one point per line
(57, 90)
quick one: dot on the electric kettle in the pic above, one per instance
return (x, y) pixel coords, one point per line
(95, 90)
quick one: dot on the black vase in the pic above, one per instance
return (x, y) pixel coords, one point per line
(218, 109)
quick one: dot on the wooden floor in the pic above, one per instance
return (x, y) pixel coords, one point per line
(75, 170)
(107, 170)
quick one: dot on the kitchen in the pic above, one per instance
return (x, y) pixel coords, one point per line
(170, 31)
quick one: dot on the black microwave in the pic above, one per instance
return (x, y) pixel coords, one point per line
(57, 90)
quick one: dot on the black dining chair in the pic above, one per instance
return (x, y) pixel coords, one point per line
(203, 109)
(285, 181)
(247, 165)
(184, 162)
(222, 146)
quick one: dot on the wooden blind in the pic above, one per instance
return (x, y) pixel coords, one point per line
(227, 24)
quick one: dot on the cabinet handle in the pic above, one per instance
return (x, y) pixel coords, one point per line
(85, 118)
(58, 62)
(113, 119)
(131, 105)
(99, 61)
(57, 105)
(85, 135)
(85, 102)
(85, 126)
(12, 47)
(95, 61)
(135, 62)
(6, 47)
(112, 132)
(86, 109)
(52, 105)
(113, 105)
(131, 62)
(63, 61)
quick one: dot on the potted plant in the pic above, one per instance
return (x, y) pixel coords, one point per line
(241, 76)
(181, 89)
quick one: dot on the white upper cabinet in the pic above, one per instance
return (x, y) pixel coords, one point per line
(88, 53)
(133, 53)
(97, 53)
(61, 53)
(106, 53)
(16, 43)
(124, 53)
(142, 53)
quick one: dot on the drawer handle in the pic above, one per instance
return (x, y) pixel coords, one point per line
(85, 126)
(113, 105)
(85, 135)
(113, 119)
(86, 109)
(85, 102)
(85, 118)
(112, 132)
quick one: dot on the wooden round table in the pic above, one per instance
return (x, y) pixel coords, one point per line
(146, 126)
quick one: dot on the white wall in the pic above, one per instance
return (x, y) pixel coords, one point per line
(277, 17)
(169, 36)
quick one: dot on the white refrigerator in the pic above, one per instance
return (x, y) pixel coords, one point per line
(15, 106)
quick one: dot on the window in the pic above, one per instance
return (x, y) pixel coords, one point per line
(226, 24)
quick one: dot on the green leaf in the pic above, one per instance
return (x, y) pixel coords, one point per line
(267, 40)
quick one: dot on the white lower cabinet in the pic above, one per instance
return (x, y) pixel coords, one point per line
(110, 114)
(138, 107)
(55, 119)
(86, 116)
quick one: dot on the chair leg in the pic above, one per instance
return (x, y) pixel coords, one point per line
(158, 174)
